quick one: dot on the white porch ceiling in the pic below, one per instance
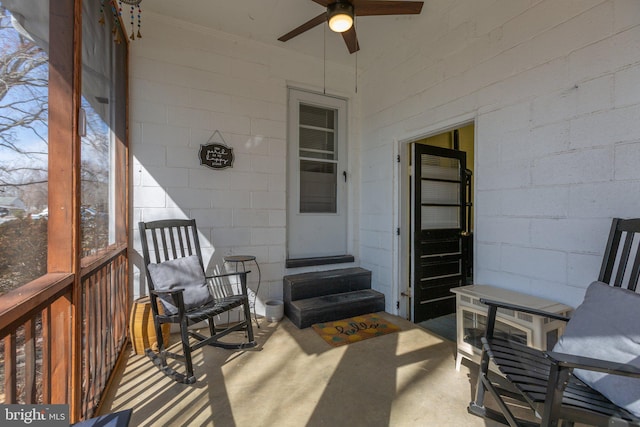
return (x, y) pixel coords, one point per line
(266, 20)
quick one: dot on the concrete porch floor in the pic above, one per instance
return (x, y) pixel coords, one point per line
(294, 378)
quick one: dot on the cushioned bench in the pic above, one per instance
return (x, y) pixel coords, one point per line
(592, 376)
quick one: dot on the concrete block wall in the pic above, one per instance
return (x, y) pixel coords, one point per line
(554, 90)
(551, 85)
(188, 82)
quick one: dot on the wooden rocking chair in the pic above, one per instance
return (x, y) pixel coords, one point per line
(182, 294)
(572, 383)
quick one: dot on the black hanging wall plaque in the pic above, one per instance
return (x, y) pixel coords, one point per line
(216, 155)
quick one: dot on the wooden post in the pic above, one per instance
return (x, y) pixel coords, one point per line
(10, 368)
(61, 349)
(65, 29)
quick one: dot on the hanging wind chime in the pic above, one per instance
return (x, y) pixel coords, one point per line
(116, 13)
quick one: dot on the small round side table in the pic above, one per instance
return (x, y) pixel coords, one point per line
(242, 259)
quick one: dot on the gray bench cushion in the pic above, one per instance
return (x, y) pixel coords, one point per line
(606, 326)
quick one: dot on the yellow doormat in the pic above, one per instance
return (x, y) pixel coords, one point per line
(354, 329)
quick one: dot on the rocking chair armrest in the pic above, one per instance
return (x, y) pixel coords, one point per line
(243, 289)
(171, 292)
(529, 310)
(588, 363)
(176, 294)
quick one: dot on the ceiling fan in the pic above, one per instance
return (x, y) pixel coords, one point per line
(341, 13)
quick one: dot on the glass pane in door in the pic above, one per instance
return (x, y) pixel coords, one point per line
(318, 160)
(437, 167)
(436, 192)
(317, 187)
(440, 192)
(439, 217)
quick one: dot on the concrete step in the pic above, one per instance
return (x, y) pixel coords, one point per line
(305, 312)
(319, 283)
(324, 296)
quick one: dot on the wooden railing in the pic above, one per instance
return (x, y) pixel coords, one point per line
(104, 326)
(38, 335)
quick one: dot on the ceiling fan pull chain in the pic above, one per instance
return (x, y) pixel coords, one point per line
(354, 27)
(324, 63)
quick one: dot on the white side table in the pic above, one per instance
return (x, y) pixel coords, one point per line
(471, 319)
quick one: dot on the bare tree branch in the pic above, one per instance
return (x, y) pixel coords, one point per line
(23, 109)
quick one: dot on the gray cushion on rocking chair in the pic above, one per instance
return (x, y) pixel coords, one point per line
(181, 273)
(606, 326)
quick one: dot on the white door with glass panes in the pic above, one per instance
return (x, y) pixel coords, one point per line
(317, 176)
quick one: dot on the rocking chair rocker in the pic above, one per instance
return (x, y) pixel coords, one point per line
(592, 376)
(182, 294)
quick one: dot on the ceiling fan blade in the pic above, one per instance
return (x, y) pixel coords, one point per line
(305, 27)
(324, 3)
(382, 7)
(351, 40)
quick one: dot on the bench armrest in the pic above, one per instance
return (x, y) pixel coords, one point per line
(580, 362)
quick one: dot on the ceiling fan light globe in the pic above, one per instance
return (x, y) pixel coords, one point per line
(340, 23)
(340, 16)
